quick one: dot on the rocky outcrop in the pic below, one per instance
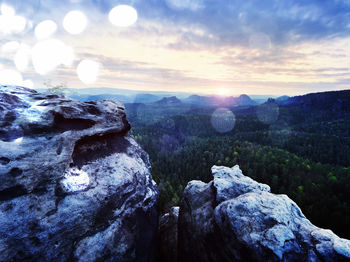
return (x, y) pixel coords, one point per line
(73, 185)
(168, 235)
(234, 218)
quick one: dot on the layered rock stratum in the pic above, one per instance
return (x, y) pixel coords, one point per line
(73, 185)
(234, 218)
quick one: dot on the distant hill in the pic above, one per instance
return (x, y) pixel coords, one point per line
(230, 101)
(169, 101)
(195, 99)
(125, 92)
(86, 97)
(150, 113)
(324, 106)
(281, 99)
(245, 100)
(145, 98)
(335, 99)
(337, 102)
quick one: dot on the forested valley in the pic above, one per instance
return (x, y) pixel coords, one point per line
(299, 149)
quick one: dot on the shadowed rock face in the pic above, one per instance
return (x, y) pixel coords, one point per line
(168, 235)
(73, 185)
(234, 218)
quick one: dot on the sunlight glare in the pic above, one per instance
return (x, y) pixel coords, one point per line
(18, 140)
(75, 180)
(88, 70)
(45, 29)
(123, 16)
(224, 92)
(47, 55)
(75, 22)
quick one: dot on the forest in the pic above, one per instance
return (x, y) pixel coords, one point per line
(306, 156)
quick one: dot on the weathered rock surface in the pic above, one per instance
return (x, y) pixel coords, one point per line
(73, 185)
(234, 218)
(168, 235)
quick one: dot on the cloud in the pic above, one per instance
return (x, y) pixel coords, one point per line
(202, 44)
(192, 5)
(117, 69)
(229, 22)
(232, 22)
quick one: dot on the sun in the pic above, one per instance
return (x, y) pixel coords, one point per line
(224, 92)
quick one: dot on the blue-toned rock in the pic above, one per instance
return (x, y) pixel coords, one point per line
(73, 185)
(234, 218)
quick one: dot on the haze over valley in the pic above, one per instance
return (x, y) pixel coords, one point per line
(175, 130)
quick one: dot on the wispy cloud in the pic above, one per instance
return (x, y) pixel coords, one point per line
(252, 46)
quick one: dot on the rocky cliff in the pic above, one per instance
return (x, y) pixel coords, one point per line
(73, 185)
(234, 218)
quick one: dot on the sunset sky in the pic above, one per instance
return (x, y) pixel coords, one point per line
(273, 47)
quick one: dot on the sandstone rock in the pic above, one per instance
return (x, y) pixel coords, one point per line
(168, 235)
(230, 183)
(234, 218)
(73, 185)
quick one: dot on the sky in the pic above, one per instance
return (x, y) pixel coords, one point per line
(227, 47)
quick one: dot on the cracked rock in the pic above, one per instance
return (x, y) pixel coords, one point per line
(73, 185)
(234, 218)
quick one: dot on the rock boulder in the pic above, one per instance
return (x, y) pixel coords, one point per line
(168, 235)
(73, 185)
(234, 218)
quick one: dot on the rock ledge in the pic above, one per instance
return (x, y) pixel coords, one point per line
(73, 185)
(234, 218)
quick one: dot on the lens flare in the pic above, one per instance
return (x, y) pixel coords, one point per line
(47, 55)
(22, 57)
(45, 29)
(10, 47)
(268, 113)
(88, 71)
(123, 16)
(223, 120)
(9, 22)
(75, 22)
(10, 77)
(279, 133)
(7, 10)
